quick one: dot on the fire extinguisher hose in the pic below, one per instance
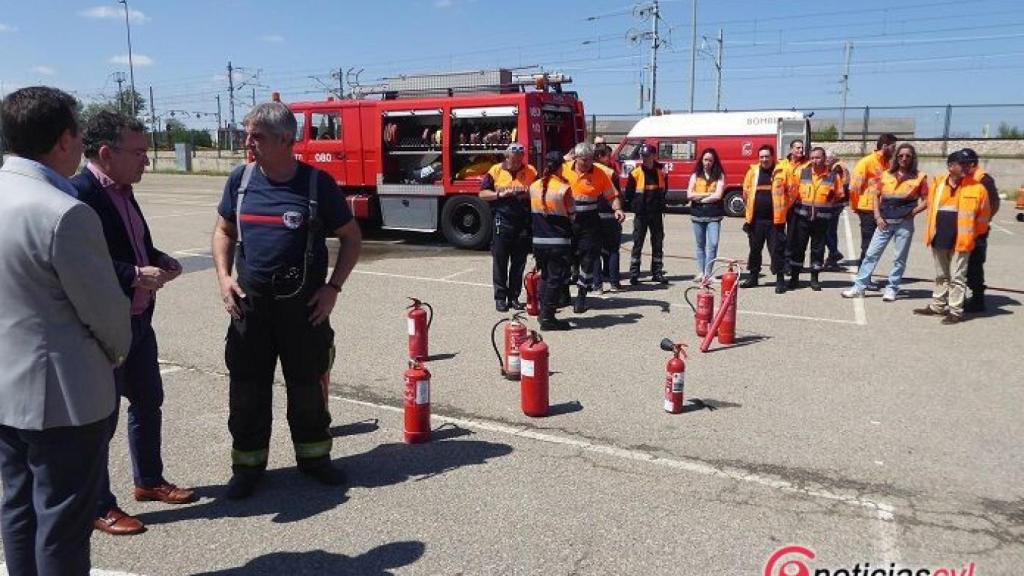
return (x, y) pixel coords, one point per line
(494, 343)
(686, 297)
(430, 309)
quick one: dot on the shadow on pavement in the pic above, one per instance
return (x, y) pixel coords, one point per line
(620, 302)
(565, 408)
(604, 320)
(356, 428)
(376, 562)
(290, 496)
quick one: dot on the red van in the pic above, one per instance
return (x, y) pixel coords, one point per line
(736, 136)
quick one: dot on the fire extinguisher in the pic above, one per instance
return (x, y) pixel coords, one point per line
(730, 299)
(419, 328)
(532, 284)
(417, 404)
(675, 376)
(533, 387)
(704, 311)
(516, 334)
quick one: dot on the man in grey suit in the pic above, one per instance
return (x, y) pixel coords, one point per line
(64, 324)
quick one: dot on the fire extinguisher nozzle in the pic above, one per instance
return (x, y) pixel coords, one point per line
(667, 345)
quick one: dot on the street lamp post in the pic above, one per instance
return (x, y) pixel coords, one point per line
(131, 67)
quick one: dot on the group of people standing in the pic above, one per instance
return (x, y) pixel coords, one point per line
(795, 202)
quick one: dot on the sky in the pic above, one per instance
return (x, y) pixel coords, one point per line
(775, 54)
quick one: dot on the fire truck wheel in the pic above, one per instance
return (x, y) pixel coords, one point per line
(1020, 217)
(466, 222)
(734, 205)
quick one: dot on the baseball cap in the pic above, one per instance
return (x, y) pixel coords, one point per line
(968, 155)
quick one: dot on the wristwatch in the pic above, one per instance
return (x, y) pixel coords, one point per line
(335, 286)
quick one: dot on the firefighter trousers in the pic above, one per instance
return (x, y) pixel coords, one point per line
(767, 232)
(270, 329)
(611, 242)
(587, 233)
(554, 264)
(807, 230)
(642, 223)
(510, 247)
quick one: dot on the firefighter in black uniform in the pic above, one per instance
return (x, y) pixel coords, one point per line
(645, 191)
(506, 188)
(273, 220)
(976, 263)
(551, 205)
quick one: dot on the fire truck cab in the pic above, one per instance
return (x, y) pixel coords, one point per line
(736, 136)
(413, 159)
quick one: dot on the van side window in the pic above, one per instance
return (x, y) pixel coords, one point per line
(300, 126)
(325, 126)
(629, 151)
(676, 150)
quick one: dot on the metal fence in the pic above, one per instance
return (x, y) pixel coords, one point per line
(865, 124)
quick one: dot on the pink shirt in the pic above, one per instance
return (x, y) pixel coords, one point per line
(121, 196)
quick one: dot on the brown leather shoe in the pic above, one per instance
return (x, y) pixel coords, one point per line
(117, 523)
(167, 493)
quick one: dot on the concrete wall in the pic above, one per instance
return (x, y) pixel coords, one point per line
(203, 161)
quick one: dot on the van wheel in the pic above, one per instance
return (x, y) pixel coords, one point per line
(466, 222)
(734, 204)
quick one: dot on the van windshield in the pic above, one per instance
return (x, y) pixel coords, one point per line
(629, 151)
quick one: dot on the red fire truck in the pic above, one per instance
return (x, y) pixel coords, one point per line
(736, 136)
(413, 158)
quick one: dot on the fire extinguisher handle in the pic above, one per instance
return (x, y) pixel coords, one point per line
(415, 302)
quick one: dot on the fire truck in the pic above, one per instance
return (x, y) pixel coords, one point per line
(736, 136)
(412, 157)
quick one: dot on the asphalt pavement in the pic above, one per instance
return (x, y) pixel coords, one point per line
(850, 427)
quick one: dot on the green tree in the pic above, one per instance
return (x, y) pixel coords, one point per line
(1010, 132)
(828, 134)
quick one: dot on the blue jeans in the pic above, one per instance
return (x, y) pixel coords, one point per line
(901, 234)
(139, 380)
(706, 235)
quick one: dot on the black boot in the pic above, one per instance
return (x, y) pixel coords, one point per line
(780, 284)
(552, 324)
(242, 484)
(325, 472)
(659, 277)
(581, 301)
(976, 303)
(815, 285)
(794, 280)
(751, 281)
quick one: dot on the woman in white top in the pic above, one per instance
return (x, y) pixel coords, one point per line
(707, 184)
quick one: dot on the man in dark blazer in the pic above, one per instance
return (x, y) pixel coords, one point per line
(65, 325)
(115, 145)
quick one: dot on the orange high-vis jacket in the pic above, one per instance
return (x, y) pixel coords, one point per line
(588, 187)
(782, 179)
(866, 180)
(506, 181)
(972, 208)
(780, 203)
(823, 190)
(980, 173)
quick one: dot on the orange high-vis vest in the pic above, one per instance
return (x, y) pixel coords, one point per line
(506, 181)
(780, 203)
(979, 173)
(642, 186)
(971, 204)
(588, 187)
(552, 209)
(818, 190)
(891, 187)
(866, 179)
(701, 186)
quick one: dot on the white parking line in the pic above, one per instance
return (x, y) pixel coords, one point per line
(885, 514)
(177, 215)
(1001, 229)
(170, 370)
(795, 317)
(420, 278)
(450, 276)
(859, 313)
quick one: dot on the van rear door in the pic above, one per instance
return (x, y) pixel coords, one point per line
(790, 130)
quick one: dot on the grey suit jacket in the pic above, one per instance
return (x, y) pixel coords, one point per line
(64, 321)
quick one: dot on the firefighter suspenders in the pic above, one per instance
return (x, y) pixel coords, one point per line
(312, 204)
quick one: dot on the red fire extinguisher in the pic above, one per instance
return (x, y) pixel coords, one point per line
(534, 384)
(516, 334)
(417, 404)
(730, 298)
(419, 327)
(675, 376)
(532, 284)
(704, 311)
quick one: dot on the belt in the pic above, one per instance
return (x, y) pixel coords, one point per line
(586, 207)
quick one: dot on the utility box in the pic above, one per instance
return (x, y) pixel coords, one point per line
(183, 156)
